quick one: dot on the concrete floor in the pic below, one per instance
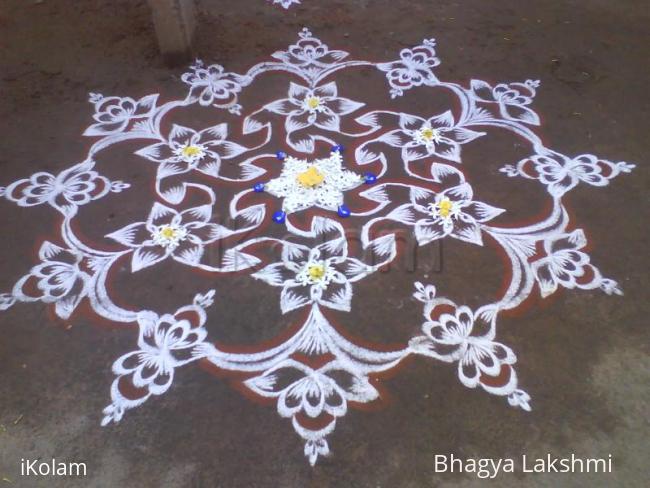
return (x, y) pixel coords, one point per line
(583, 356)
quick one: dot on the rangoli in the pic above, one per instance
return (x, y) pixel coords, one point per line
(330, 175)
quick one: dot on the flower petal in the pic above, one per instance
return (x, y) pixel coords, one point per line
(282, 107)
(146, 256)
(410, 122)
(293, 297)
(133, 235)
(443, 121)
(482, 212)
(326, 90)
(157, 152)
(344, 106)
(275, 274)
(160, 214)
(180, 135)
(427, 230)
(328, 120)
(297, 93)
(337, 296)
(216, 133)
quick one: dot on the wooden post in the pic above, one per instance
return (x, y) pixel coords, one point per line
(174, 21)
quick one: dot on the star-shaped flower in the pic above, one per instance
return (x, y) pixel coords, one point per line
(187, 149)
(319, 183)
(315, 275)
(320, 107)
(167, 232)
(452, 212)
(437, 136)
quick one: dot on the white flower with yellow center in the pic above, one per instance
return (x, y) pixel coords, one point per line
(452, 212)
(320, 183)
(318, 106)
(320, 275)
(316, 273)
(444, 208)
(187, 149)
(169, 233)
(313, 104)
(427, 136)
(169, 236)
(190, 153)
(439, 135)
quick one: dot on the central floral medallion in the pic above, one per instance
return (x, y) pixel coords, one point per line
(315, 370)
(321, 183)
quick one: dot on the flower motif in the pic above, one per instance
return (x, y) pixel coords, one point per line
(113, 114)
(437, 136)
(286, 3)
(181, 235)
(309, 53)
(513, 99)
(68, 190)
(165, 343)
(187, 149)
(569, 267)
(211, 84)
(306, 107)
(320, 275)
(57, 279)
(301, 390)
(468, 338)
(451, 212)
(415, 68)
(319, 183)
(561, 174)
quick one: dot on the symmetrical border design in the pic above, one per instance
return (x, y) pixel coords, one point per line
(317, 373)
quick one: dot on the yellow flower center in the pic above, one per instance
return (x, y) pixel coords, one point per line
(191, 151)
(168, 232)
(313, 102)
(310, 178)
(316, 271)
(428, 133)
(444, 207)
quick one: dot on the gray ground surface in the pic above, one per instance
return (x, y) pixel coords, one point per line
(583, 356)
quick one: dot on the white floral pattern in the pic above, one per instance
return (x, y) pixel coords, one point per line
(58, 279)
(513, 99)
(451, 212)
(187, 149)
(437, 136)
(113, 114)
(167, 232)
(321, 107)
(561, 174)
(321, 275)
(327, 194)
(211, 85)
(67, 191)
(414, 68)
(165, 343)
(566, 265)
(313, 372)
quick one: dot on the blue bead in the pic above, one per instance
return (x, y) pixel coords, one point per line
(338, 148)
(370, 178)
(279, 217)
(259, 187)
(344, 211)
(281, 155)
